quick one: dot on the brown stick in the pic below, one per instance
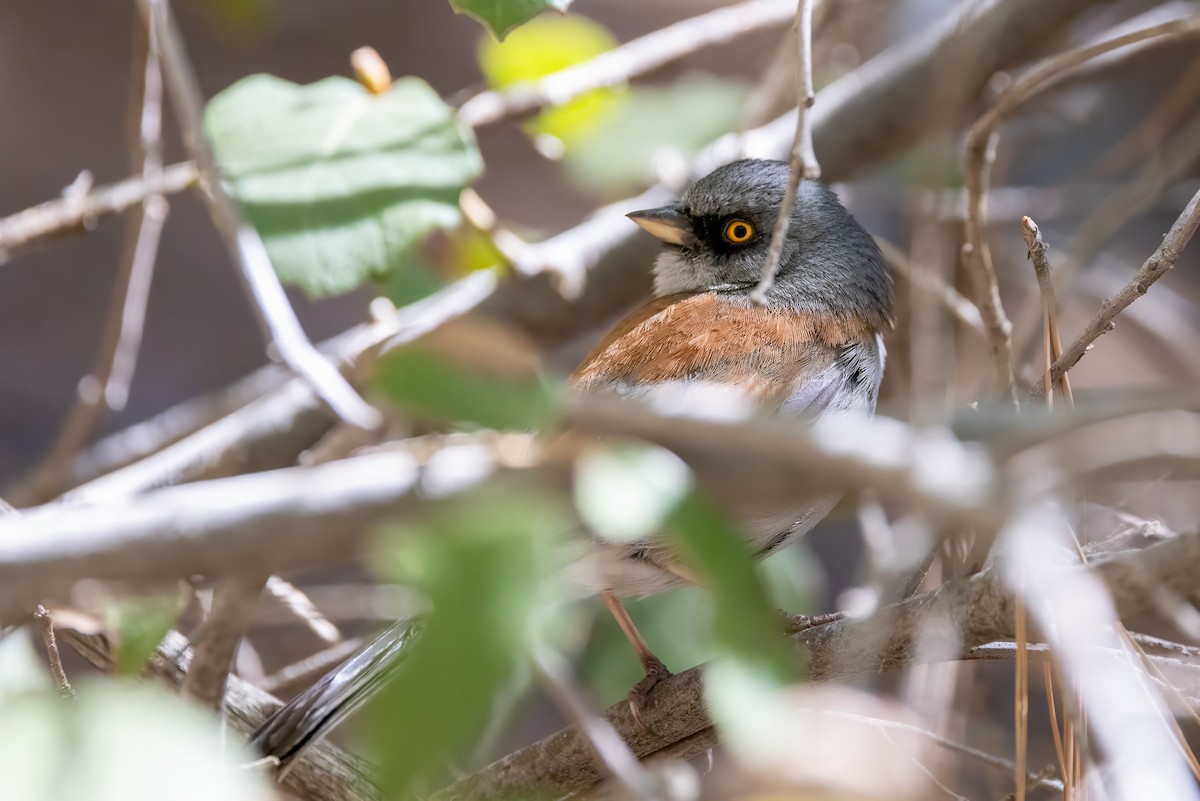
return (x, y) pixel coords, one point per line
(979, 155)
(234, 598)
(1160, 261)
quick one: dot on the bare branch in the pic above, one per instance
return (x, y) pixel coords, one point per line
(246, 247)
(234, 598)
(1053, 342)
(1162, 260)
(65, 215)
(630, 60)
(296, 602)
(979, 155)
(273, 429)
(803, 162)
(107, 387)
(311, 667)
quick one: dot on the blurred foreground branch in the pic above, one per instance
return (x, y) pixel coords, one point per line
(324, 773)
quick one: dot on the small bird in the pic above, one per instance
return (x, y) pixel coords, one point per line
(813, 349)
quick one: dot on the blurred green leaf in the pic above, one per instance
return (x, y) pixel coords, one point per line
(546, 46)
(120, 742)
(479, 562)
(340, 183)
(501, 16)
(239, 19)
(21, 666)
(473, 373)
(654, 122)
(747, 625)
(139, 625)
(624, 491)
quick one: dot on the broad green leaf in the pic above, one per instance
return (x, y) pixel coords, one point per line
(138, 626)
(654, 124)
(120, 742)
(479, 561)
(340, 183)
(468, 372)
(747, 625)
(501, 16)
(546, 46)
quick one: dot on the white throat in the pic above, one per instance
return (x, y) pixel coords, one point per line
(674, 272)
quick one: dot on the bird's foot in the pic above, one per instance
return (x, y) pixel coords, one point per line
(794, 624)
(656, 672)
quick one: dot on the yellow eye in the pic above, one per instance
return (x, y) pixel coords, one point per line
(738, 231)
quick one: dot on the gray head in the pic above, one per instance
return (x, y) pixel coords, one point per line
(718, 234)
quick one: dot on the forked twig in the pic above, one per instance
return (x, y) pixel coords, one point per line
(1154, 268)
(246, 247)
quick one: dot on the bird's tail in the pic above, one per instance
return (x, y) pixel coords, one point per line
(337, 695)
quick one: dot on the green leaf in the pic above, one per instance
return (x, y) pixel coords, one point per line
(479, 561)
(501, 16)
(340, 183)
(546, 46)
(139, 625)
(747, 625)
(472, 373)
(120, 742)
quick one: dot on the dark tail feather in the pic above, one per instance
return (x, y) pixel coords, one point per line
(336, 696)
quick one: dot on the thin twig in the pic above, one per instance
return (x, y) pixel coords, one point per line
(299, 604)
(1117, 208)
(1053, 342)
(980, 154)
(45, 624)
(803, 162)
(630, 60)
(107, 387)
(1008, 765)
(957, 303)
(275, 313)
(1162, 260)
(310, 667)
(64, 215)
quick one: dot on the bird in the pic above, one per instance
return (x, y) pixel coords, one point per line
(810, 348)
